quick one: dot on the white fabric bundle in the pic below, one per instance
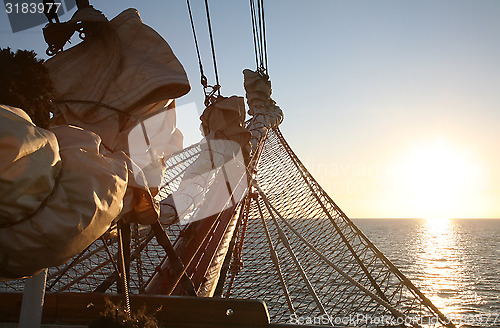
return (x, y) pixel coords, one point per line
(266, 114)
(217, 179)
(214, 182)
(153, 140)
(117, 78)
(56, 198)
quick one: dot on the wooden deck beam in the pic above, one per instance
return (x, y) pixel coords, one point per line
(177, 311)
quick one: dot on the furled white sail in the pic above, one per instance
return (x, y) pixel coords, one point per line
(58, 194)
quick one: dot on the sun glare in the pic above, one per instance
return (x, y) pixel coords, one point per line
(439, 261)
(436, 180)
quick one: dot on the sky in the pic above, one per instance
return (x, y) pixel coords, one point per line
(392, 105)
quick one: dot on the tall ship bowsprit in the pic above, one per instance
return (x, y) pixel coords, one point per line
(232, 231)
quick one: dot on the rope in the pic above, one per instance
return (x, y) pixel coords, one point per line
(212, 46)
(286, 243)
(271, 209)
(203, 77)
(264, 36)
(259, 35)
(255, 43)
(208, 90)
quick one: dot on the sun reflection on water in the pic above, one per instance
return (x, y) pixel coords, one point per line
(439, 260)
(454, 262)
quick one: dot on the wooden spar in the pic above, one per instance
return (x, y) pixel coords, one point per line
(197, 247)
(81, 308)
(202, 248)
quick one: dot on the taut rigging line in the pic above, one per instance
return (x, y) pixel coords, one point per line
(259, 35)
(209, 90)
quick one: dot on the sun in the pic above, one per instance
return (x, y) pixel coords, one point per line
(436, 180)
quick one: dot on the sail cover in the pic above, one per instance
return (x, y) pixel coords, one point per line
(56, 198)
(115, 80)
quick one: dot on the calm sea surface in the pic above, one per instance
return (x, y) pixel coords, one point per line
(455, 262)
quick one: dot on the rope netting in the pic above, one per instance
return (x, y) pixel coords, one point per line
(308, 261)
(294, 249)
(94, 270)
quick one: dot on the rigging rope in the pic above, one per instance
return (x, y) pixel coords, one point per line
(212, 46)
(262, 31)
(203, 77)
(255, 43)
(259, 35)
(208, 90)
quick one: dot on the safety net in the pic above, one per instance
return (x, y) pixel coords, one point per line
(293, 248)
(308, 261)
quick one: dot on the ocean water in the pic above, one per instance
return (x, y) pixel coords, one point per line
(455, 262)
